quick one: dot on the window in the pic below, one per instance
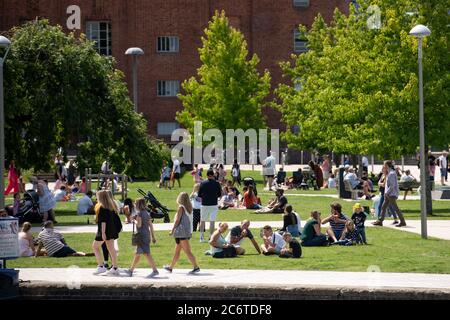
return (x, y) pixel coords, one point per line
(100, 32)
(301, 3)
(168, 88)
(299, 42)
(166, 128)
(168, 44)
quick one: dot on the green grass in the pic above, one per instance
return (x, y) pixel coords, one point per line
(66, 211)
(390, 250)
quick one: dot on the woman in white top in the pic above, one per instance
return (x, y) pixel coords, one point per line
(26, 243)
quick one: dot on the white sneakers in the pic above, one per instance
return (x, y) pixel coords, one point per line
(113, 272)
(99, 270)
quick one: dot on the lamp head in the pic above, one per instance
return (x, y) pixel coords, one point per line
(420, 31)
(4, 42)
(134, 52)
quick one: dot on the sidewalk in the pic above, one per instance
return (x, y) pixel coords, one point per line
(233, 284)
(436, 228)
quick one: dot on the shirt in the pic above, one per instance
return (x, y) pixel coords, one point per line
(338, 227)
(391, 188)
(365, 161)
(210, 191)
(359, 218)
(269, 166)
(331, 183)
(84, 205)
(278, 241)
(176, 166)
(296, 248)
(353, 178)
(196, 201)
(308, 230)
(59, 195)
(237, 232)
(443, 162)
(52, 241)
(282, 201)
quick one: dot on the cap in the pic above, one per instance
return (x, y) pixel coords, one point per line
(357, 206)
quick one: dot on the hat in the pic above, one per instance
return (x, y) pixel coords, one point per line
(347, 166)
(357, 206)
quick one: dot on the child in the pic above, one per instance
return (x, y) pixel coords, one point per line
(294, 250)
(349, 235)
(196, 205)
(331, 182)
(144, 226)
(359, 217)
(16, 204)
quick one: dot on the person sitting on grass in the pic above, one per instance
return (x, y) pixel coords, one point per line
(291, 222)
(60, 194)
(337, 222)
(86, 205)
(350, 235)
(311, 234)
(358, 218)
(237, 235)
(332, 182)
(250, 200)
(143, 222)
(292, 249)
(220, 248)
(276, 205)
(229, 196)
(55, 245)
(273, 242)
(26, 241)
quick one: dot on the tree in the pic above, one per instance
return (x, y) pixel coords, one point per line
(62, 93)
(359, 83)
(229, 92)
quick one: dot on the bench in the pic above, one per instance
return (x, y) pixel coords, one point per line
(50, 177)
(408, 186)
(348, 188)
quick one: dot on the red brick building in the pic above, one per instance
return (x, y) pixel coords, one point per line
(169, 32)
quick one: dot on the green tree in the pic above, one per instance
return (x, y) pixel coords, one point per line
(360, 86)
(228, 92)
(61, 93)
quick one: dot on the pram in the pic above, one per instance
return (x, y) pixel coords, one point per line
(249, 181)
(28, 208)
(156, 209)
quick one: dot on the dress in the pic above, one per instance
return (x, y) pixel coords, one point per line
(46, 201)
(144, 231)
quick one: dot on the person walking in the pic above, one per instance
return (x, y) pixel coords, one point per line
(391, 193)
(210, 191)
(108, 224)
(269, 165)
(182, 232)
(146, 233)
(443, 166)
(176, 170)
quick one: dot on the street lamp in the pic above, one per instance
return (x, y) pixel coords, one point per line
(5, 44)
(420, 31)
(135, 52)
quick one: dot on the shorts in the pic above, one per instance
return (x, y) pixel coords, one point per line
(63, 252)
(443, 172)
(269, 175)
(176, 176)
(226, 253)
(209, 213)
(143, 248)
(177, 240)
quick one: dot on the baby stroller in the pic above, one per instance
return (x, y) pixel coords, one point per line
(156, 209)
(249, 181)
(28, 208)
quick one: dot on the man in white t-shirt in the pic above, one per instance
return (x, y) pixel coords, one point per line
(176, 172)
(269, 165)
(365, 164)
(443, 164)
(273, 241)
(86, 206)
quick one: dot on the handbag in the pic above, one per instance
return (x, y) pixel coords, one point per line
(136, 238)
(183, 229)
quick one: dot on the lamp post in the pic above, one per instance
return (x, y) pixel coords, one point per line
(420, 31)
(4, 44)
(135, 52)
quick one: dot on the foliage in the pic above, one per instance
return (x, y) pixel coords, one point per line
(61, 93)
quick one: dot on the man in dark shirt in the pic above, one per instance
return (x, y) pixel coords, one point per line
(276, 205)
(238, 233)
(294, 250)
(210, 191)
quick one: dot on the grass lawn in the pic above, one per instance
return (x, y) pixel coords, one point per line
(66, 211)
(390, 250)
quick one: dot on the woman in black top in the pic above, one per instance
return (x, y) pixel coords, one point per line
(290, 223)
(109, 226)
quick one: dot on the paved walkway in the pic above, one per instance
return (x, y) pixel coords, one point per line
(369, 280)
(436, 228)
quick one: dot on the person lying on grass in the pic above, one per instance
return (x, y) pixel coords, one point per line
(237, 235)
(55, 245)
(276, 205)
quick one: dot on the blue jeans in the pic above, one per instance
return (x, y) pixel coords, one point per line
(255, 206)
(317, 241)
(362, 234)
(345, 242)
(293, 230)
